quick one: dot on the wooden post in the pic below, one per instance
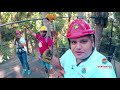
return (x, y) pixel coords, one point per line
(26, 42)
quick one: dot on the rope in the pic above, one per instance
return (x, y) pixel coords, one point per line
(19, 22)
(54, 28)
(25, 21)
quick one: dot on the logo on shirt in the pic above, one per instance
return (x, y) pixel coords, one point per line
(83, 70)
(104, 60)
(40, 44)
(104, 67)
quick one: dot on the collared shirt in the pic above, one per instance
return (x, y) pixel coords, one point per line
(96, 66)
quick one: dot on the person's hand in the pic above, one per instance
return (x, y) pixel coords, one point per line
(27, 26)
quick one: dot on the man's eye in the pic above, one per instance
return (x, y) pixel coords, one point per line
(73, 42)
(84, 41)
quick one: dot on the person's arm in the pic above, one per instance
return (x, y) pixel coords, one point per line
(31, 32)
(55, 62)
(15, 41)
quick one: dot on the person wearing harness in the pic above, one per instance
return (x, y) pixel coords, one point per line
(22, 52)
(82, 60)
(44, 44)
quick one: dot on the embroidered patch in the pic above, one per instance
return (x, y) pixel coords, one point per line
(83, 70)
(76, 26)
(104, 60)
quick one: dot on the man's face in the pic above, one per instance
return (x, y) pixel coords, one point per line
(82, 47)
(18, 35)
(43, 33)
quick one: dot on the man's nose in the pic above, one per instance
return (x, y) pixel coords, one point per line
(78, 46)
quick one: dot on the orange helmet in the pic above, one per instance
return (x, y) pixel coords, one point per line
(79, 28)
(17, 31)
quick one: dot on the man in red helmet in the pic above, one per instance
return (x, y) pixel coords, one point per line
(82, 60)
(22, 52)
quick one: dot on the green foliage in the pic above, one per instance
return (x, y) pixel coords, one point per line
(5, 50)
(115, 36)
(7, 34)
(117, 15)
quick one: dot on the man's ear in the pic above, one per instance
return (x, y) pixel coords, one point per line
(93, 42)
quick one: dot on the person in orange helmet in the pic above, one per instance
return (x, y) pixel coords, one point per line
(82, 60)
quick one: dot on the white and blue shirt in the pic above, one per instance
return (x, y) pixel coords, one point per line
(22, 40)
(96, 66)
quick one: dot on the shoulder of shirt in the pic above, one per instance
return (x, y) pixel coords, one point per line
(102, 65)
(102, 60)
(67, 53)
(22, 38)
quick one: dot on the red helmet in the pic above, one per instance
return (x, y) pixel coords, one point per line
(79, 28)
(17, 32)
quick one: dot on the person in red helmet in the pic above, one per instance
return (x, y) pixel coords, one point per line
(22, 52)
(82, 60)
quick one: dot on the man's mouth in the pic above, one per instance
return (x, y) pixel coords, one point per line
(79, 52)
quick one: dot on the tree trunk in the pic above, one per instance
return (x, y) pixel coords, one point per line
(31, 43)
(100, 19)
(98, 36)
(69, 18)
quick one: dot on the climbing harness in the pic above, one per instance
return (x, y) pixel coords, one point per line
(20, 49)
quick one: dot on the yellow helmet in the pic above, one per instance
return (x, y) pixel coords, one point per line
(43, 28)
